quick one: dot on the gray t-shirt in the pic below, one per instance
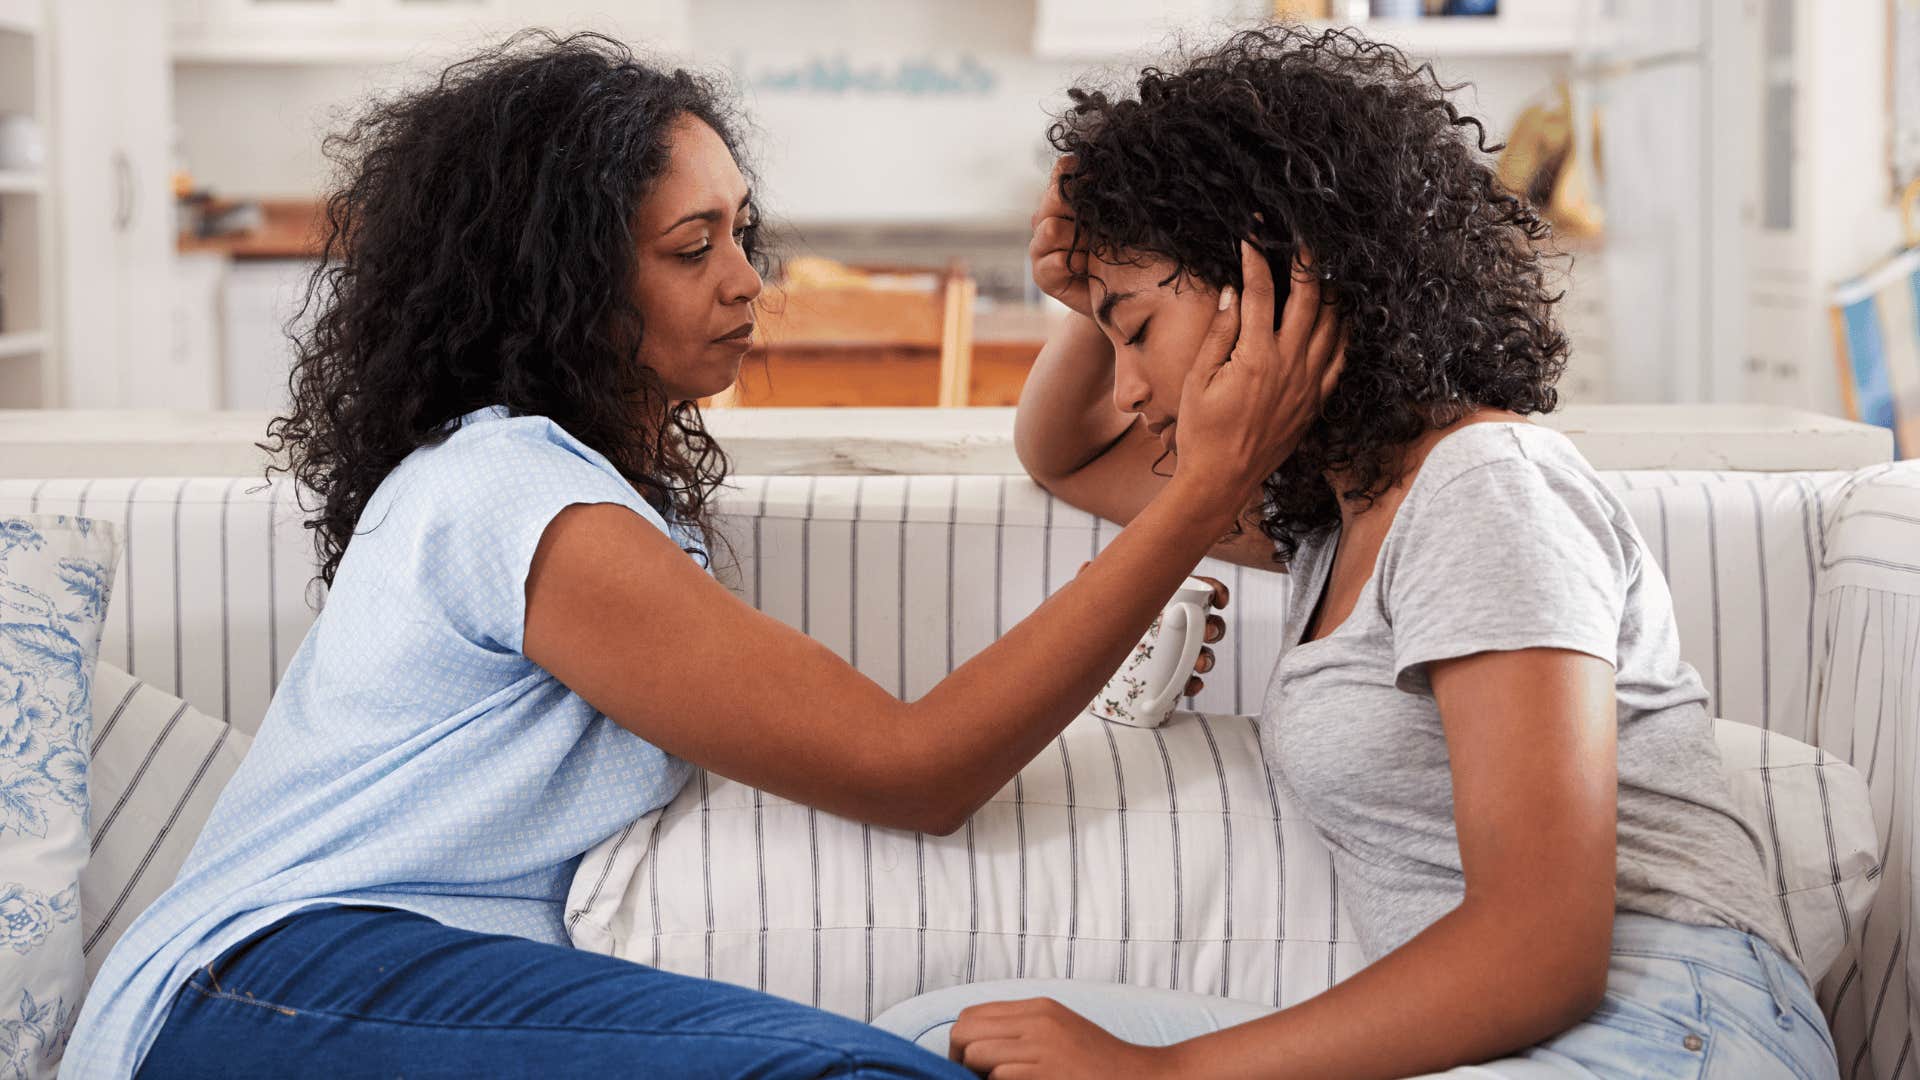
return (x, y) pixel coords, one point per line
(1506, 540)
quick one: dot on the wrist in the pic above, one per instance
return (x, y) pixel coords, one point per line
(1174, 1061)
(1213, 500)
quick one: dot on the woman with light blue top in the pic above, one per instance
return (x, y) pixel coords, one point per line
(536, 268)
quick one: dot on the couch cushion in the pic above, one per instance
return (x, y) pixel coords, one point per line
(56, 574)
(158, 765)
(1162, 857)
(215, 587)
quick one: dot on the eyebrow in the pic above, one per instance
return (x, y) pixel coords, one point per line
(712, 216)
(1112, 300)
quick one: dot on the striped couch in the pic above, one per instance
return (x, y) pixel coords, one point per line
(1798, 599)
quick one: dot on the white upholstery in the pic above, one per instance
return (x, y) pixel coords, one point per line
(1798, 597)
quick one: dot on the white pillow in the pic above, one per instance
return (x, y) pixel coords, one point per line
(56, 574)
(158, 766)
(1161, 857)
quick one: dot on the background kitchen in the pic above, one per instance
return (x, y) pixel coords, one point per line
(1717, 168)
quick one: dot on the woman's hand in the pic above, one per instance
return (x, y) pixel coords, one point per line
(1041, 1039)
(1216, 629)
(1253, 392)
(1059, 268)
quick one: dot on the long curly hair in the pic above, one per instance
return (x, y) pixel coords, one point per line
(1289, 138)
(478, 251)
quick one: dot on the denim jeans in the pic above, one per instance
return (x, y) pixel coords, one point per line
(1693, 1002)
(344, 992)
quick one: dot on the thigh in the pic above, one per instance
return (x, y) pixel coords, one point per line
(342, 993)
(1135, 1014)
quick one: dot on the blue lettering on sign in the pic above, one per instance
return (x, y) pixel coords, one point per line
(915, 77)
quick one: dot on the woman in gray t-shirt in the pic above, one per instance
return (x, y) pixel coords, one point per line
(1479, 700)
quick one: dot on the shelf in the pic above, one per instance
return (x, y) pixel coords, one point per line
(307, 50)
(18, 182)
(22, 343)
(20, 16)
(1467, 35)
(1432, 37)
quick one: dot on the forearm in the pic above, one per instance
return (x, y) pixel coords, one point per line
(1476, 985)
(1066, 414)
(980, 725)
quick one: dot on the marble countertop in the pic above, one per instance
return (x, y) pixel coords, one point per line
(76, 443)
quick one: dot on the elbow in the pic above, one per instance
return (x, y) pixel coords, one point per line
(946, 813)
(1563, 960)
(1573, 988)
(1030, 460)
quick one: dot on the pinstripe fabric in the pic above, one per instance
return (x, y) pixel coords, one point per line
(1128, 876)
(211, 594)
(158, 764)
(1814, 638)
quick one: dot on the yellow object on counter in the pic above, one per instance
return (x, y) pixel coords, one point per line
(1301, 9)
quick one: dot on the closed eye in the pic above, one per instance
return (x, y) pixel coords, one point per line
(1140, 335)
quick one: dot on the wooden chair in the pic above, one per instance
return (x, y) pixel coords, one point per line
(869, 336)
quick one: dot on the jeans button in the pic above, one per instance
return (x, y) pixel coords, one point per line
(1693, 1042)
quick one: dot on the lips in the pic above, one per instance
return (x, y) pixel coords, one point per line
(742, 332)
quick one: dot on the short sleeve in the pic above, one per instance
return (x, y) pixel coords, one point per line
(1507, 555)
(484, 499)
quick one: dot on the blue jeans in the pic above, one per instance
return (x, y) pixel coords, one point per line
(1693, 1002)
(343, 992)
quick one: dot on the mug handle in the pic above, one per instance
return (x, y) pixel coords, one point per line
(1193, 615)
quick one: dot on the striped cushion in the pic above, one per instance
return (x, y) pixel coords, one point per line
(1866, 709)
(213, 593)
(158, 765)
(1163, 857)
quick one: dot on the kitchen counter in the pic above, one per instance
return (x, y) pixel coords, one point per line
(55, 443)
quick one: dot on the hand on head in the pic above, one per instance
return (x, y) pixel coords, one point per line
(1253, 391)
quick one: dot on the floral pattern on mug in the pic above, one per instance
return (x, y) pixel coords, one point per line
(1127, 687)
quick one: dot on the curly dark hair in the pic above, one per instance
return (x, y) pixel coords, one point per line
(1290, 137)
(478, 251)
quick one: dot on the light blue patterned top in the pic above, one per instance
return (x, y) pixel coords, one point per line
(413, 757)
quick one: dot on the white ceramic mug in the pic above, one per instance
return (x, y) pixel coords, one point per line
(1148, 685)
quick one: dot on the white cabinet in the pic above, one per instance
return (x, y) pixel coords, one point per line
(29, 344)
(258, 298)
(321, 15)
(113, 111)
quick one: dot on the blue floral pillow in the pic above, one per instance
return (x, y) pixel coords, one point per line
(55, 576)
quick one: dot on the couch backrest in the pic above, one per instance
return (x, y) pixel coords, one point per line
(908, 576)
(945, 564)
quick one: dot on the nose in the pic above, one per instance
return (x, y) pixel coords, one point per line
(740, 284)
(1130, 390)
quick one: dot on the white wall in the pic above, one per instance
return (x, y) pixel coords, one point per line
(973, 152)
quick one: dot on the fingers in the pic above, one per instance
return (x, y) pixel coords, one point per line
(1194, 686)
(1051, 202)
(1301, 318)
(1219, 590)
(1051, 234)
(1218, 343)
(1256, 286)
(991, 1054)
(1216, 628)
(1205, 663)
(1332, 375)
